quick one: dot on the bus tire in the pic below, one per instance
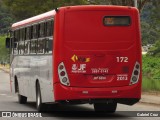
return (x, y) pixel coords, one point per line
(105, 107)
(39, 105)
(21, 99)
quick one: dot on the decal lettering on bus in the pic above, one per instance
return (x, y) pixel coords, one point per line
(122, 59)
(99, 70)
(122, 77)
(78, 68)
(99, 78)
(75, 58)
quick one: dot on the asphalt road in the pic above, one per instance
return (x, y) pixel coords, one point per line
(8, 102)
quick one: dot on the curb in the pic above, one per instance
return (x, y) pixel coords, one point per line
(150, 99)
(149, 103)
(6, 71)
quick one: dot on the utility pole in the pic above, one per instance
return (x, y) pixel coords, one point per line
(135, 3)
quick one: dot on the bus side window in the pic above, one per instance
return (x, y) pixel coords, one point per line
(41, 46)
(38, 30)
(48, 45)
(21, 42)
(31, 32)
(49, 27)
(27, 35)
(14, 39)
(52, 28)
(15, 43)
(20, 47)
(27, 46)
(33, 46)
(35, 31)
(42, 29)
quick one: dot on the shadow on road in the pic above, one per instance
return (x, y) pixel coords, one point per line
(73, 111)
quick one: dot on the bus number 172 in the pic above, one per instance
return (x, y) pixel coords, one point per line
(122, 59)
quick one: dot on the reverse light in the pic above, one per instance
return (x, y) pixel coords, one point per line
(135, 74)
(62, 73)
(64, 80)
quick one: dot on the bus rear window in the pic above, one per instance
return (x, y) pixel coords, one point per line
(116, 21)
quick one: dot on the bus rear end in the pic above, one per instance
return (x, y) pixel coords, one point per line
(97, 56)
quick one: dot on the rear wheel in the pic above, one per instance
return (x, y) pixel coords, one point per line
(21, 99)
(105, 107)
(40, 106)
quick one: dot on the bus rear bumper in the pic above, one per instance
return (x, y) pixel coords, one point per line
(126, 95)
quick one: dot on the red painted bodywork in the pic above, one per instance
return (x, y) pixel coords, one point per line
(80, 31)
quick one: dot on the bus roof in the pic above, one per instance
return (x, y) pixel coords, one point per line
(50, 14)
(37, 18)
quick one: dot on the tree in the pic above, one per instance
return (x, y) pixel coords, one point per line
(150, 24)
(155, 16)
(5, 18)
(141, 3)
(22, 9)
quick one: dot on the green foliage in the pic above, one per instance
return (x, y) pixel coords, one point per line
(22, 9)
(5, 18)
(4, 52)
(140, 3)
(149, 34)
(155, 50)
(150, 22)
(151, 73)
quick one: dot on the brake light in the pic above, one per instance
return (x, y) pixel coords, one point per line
(63, 76)
(135, 74)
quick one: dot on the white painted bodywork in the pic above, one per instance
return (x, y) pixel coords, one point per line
(30, 68)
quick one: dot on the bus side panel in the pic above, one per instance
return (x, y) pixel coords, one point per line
(17, 73)
(12, 78)
(28, 69)
(58, 40)
(139, 49)
(46, 80)
(58, 47)
(41, 71)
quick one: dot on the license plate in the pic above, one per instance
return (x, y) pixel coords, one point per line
(99, 77)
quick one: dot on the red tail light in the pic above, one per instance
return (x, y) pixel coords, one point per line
(63, 76)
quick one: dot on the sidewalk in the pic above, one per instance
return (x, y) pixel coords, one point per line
(4, 69)
(149, 98)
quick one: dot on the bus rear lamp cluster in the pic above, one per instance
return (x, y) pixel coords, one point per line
(135, 74)
(62, 73)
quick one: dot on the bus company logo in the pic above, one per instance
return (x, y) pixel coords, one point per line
(79, 68)
(75, 58)
(21, 114)
(6, 114)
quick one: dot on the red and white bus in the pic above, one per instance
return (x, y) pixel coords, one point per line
(78, 54)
